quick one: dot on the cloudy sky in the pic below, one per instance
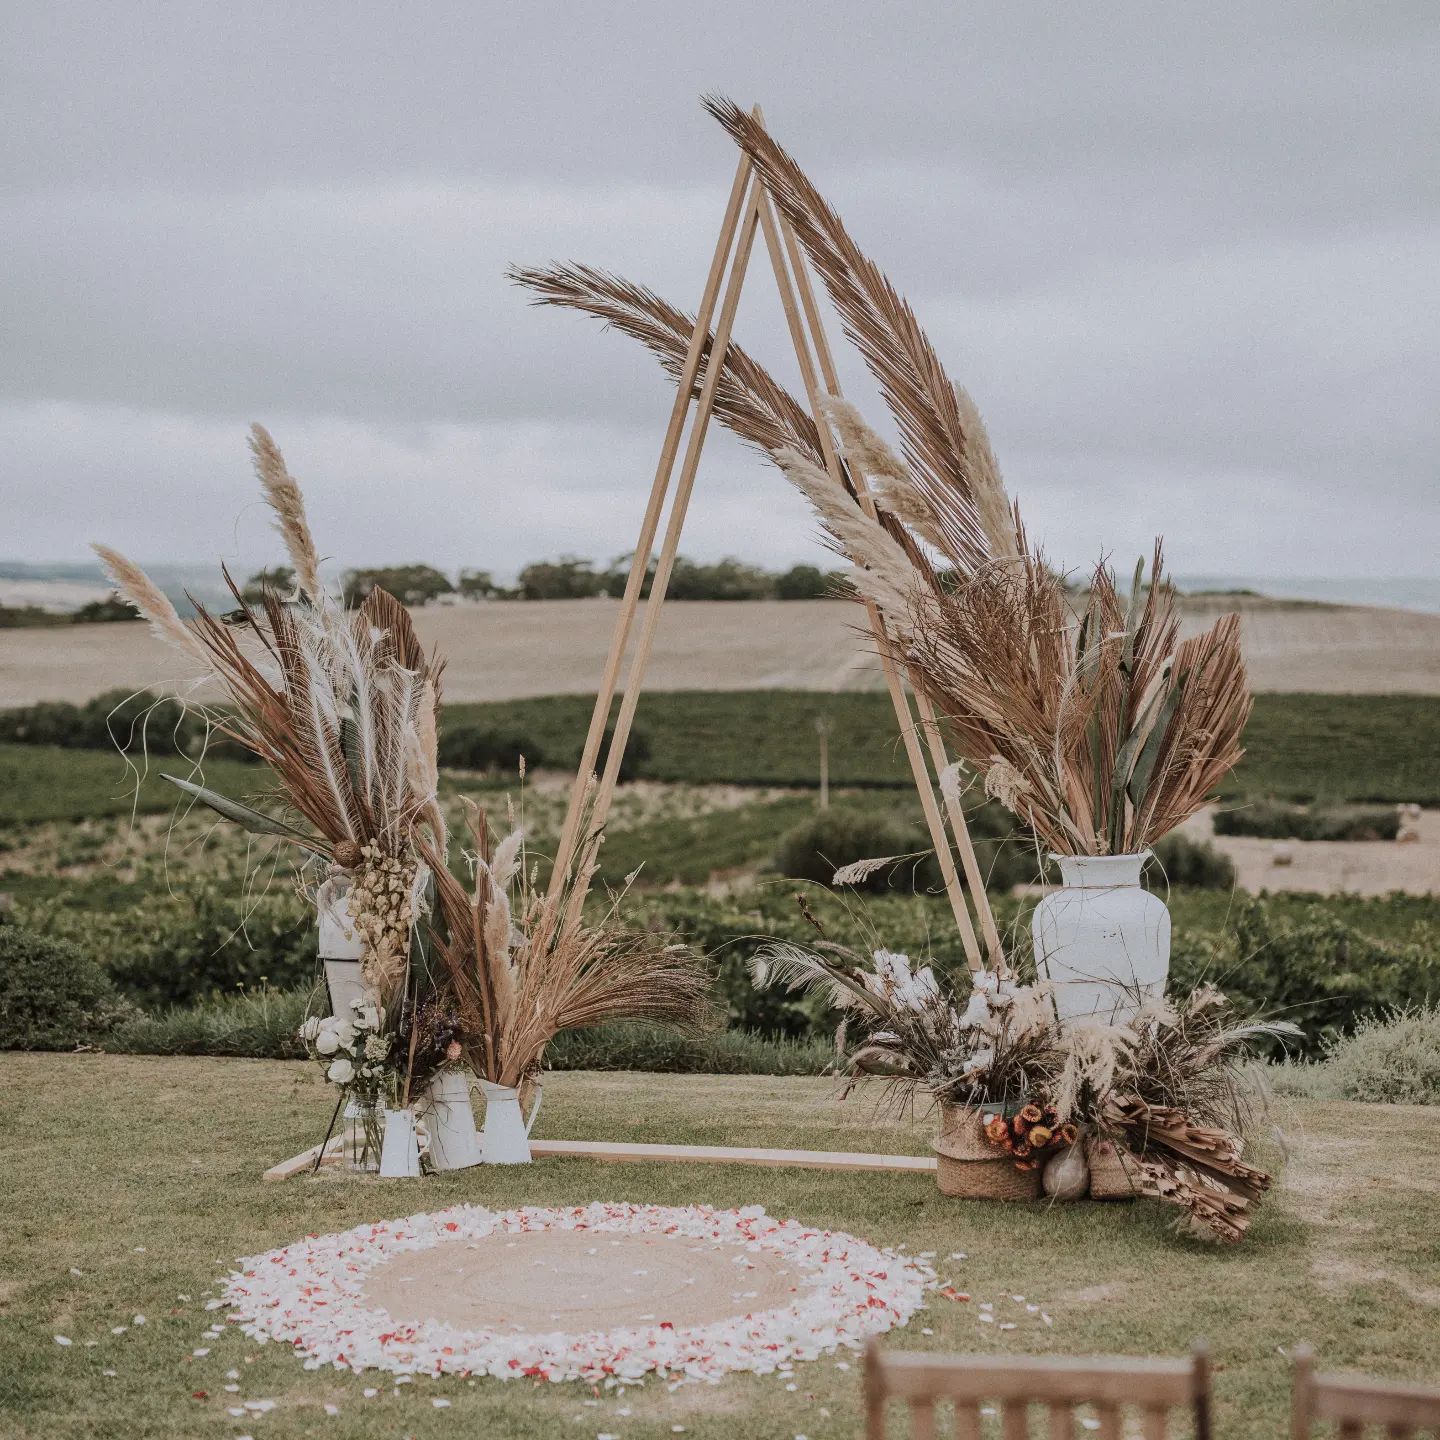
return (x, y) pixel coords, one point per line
(1187, 258)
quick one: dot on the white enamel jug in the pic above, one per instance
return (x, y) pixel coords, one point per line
(506, 1140)
(450, 1121)
(400, 1149)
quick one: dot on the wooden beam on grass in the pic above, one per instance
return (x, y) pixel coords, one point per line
(625, 1152)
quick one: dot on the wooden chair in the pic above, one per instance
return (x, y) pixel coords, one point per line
(1352, 1402)
(1061, 1384)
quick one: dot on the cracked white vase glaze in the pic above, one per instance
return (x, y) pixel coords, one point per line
(1102, 940)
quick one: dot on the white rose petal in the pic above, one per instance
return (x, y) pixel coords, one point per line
(341, 1072)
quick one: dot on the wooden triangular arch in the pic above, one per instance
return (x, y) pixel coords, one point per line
(749, 209)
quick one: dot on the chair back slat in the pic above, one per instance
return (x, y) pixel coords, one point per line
(967, 1420)
(1350, 1403)
(1062, 1421)
(1109, 1384)
(1109, 1417)
(922, 1420)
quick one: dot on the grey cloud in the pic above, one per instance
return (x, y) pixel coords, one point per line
(1186, 260)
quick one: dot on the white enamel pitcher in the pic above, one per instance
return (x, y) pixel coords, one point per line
(400, 1149)
(450, 1122)
(506, 1138)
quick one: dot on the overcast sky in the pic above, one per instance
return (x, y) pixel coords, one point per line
(1187, 259)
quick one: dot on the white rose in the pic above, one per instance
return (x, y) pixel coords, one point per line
(311, 1028)
(327, 1042)
(341, 1072)
(368, 1018)
(345, 1035)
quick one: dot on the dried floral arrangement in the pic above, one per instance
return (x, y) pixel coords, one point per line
(1168, 1087)
(523, 964)
(343, 705)
(1092, 723)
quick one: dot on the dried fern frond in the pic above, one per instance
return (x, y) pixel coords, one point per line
(523, 965)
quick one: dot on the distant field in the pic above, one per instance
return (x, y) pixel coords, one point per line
(1338, 747)
(1341, 747)
(40, 782)
(501, 651)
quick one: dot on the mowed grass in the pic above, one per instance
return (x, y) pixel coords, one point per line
(144, 1176)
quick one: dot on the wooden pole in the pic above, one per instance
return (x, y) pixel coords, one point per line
(924, 785)
(748, 196)
(822, 726)
(644, 546)
(968, 860)
(700, 424)
(961, 831)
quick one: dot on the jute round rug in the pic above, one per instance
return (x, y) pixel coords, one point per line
(584, 1293)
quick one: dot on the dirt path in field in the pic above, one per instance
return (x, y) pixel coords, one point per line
(1331, 867)
(501, 651)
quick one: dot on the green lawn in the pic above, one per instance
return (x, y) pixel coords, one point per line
(144, 1176)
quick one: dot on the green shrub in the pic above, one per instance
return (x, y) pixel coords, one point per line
(1181, 861)
(204, 938)
(137, 722)
(638, 751)
(632, 1046)
(815, 849)
(1275, 820)
(819, 846)
(259, 1024)
(52, 995)
(475, 747)
(1392, 1058)
(1316, 970)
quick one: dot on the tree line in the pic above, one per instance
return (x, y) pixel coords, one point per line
(570, 578)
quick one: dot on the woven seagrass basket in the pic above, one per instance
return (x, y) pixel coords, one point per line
(1113, 1174)
(969, 1166)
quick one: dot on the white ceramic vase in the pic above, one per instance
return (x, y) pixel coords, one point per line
(506, 1140)
(1101, 940)
(400, 1149)
(450, 1121)
(340, 950)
